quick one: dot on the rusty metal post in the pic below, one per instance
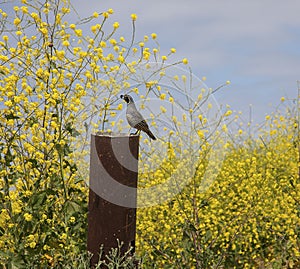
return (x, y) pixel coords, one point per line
(112, 193)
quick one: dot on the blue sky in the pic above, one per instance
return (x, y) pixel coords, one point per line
(254, 44)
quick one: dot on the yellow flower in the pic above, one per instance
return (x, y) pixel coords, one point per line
(78, 32)
(66, 43)
(173, 50)
(24, 9)
(228, 82)
(103, 44)
(46, 247)
(35, 16)
(27, 217)
(162, 96)
(154, 35)
(146, 54)
(201, 134)
(63, 236)
(133, 17)
(113, 42)
(60, 54)
(126, 84)
(135, 90)
(163, 109)
(121, 59)
(110, 11)
(17, 21)
(116, 25)
(185, 61)
(8, 103)
(32, 244)
(95, 14)
(65, 10)
(228, 113)
(164, 58)
(224, 128)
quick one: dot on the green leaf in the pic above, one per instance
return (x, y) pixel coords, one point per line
(73, 132)
(34, 162)
(11, 116)
(38, 199)
(71, 208)
(17, 262)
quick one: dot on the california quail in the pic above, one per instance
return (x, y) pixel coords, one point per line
(134, 118)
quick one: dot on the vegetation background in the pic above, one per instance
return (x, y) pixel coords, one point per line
(235, 201)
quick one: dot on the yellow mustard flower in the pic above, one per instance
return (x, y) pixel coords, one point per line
(27, 217)
(154, 35)
(185, 61)
(133, 17)
(116, 25)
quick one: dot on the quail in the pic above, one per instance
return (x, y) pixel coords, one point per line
(134, 118)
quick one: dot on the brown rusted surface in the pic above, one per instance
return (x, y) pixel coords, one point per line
(112, 212)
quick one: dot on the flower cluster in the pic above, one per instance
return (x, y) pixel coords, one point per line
(246, 217)
(57, 84)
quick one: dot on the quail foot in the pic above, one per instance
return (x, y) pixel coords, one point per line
(134, 118)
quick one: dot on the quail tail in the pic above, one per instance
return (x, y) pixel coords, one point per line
(149, 133)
